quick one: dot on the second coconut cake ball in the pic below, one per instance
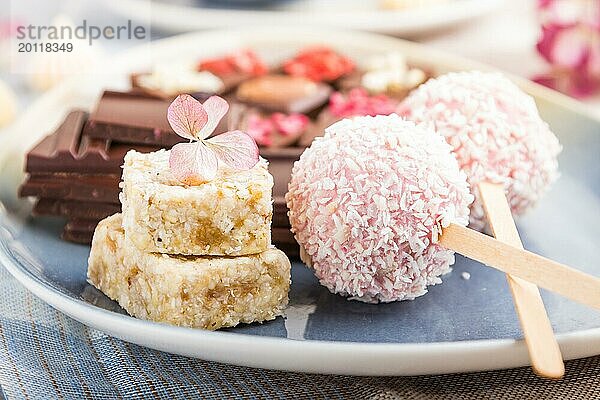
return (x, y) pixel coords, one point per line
(367, 203)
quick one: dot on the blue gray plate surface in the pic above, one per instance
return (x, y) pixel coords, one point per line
(462, 324)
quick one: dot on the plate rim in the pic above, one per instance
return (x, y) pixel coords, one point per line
(322, 356)
(403, 22)
(310, 356)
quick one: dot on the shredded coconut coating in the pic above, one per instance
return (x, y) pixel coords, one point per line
(194, 291)
(367, 203)
(230, 215)
(496, 132)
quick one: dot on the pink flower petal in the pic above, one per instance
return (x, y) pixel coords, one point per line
(593, 61)
(193, 163)
(216, 108)
(546, 41)
(235, 148)
(187, 117)
(569, 48)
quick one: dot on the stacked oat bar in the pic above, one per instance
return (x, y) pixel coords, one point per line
(197, 256)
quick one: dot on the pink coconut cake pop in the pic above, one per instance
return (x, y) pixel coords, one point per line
(368, 202)
(495, 131)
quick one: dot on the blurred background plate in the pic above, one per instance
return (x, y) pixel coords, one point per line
(461, 325)
(417, 17)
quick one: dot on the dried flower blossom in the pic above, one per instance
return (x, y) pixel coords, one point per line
(198, 161)
(570, 43)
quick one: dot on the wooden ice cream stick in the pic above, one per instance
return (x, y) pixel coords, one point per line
(545, 273)
(551, 275)
(545, 355)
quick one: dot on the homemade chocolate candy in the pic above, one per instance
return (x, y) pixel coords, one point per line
(168, 85)
(66, 150)
(137, 118)
(71, 186)
(79, 230)
(131, 118)
(270, 130)
(75, 209)
(287, 94)
(234, 68)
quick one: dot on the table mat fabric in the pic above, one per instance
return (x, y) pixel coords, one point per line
(47, 355)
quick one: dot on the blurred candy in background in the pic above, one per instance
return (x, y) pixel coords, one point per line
(554, 42)
(8, 104)
(570, 43)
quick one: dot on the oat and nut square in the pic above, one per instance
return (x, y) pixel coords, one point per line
(230, 215)
(194, 291)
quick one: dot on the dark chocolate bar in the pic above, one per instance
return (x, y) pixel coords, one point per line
(79, 230)
(75, 209)
(66, 150)
(281, 162)
(137, 118)
(70, 186)
(131, 118)
(284, 240)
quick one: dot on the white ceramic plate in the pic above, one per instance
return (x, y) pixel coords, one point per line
(459, 326)
(187, 15)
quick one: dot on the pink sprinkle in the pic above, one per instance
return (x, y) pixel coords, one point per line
(292, 124)
(359, 103)
(367, 203)
(496, 132)
(260, 129)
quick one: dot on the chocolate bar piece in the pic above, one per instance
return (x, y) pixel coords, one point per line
(280, 217)
(132, 118)
(79, 230)
(281, 162)
(71, 186)
(137, 118)
(284, 93)
(66, 150)
(75, 209)
(284, 239)
(235, 68)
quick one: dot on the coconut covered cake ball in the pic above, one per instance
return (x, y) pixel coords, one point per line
(496, 133)
(367, 203)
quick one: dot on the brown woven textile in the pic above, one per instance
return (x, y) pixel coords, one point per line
(46, 355)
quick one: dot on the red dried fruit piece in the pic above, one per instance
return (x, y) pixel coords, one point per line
(319, 64)
(218, 66)
(243, 61)
(248, 62)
